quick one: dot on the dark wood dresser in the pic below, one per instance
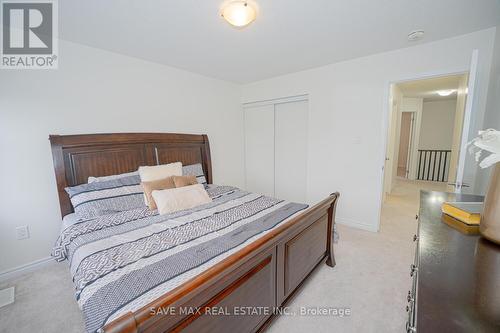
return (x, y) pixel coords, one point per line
(456, 277)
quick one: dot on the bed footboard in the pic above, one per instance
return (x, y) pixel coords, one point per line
(246, 290)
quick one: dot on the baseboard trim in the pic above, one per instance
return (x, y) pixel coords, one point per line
(355, 224)
(23, 269)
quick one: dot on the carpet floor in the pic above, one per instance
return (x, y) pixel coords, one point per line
(371, 280)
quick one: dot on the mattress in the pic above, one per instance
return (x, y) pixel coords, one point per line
(121, 262)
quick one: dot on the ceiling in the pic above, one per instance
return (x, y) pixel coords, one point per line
(427, 89)
(288, 35)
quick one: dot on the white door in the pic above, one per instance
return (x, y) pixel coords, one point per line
(466, 167)
(291, 150)
(259, 149)
(405, 144)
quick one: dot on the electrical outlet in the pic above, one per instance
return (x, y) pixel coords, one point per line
(7, 296)
(22, 232)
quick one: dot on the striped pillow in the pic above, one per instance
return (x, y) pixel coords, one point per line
(106, 197)
(195, 170)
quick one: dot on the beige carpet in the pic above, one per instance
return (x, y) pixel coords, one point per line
(371, 279)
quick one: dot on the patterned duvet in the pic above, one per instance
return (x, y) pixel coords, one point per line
(123, 261)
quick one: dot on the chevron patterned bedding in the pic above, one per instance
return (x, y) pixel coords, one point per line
(123, 261)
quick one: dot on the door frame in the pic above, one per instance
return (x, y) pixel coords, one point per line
(467, 121)
(385, 122)
(411, 144)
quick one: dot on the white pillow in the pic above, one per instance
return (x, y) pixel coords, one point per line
(112, 177)
(156, 172)
(180, 198)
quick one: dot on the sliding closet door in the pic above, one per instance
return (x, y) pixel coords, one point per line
(259, 149)
(291, 150)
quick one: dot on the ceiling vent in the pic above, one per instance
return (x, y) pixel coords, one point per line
(415, 35)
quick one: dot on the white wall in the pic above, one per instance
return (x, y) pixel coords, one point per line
(492, 115)
(97, 91)
(348, 113)
(438, 120)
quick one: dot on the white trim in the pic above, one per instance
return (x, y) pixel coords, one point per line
(23, 269)
(355, 224)
(425, 76)
(281, 100)
(410, 159)
(467, 122)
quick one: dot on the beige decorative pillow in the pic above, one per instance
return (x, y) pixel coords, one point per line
(160, 184)
(150, 173)
(181, 181)
(181, 198)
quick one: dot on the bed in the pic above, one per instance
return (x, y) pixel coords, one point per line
(225, 266)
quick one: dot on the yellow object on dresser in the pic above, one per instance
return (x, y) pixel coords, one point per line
(467, 212)
(468, 229)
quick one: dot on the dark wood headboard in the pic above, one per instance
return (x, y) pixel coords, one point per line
(76, 157)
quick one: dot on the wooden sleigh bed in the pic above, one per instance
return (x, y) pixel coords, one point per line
(265, 273)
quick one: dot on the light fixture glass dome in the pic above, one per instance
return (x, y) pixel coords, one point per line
(239, 13)
(445, 92)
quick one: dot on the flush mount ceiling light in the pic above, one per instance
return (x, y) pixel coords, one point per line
(415, 35)
(239, 13)
(445, 92)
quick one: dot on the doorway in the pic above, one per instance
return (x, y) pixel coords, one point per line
(424, 134)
